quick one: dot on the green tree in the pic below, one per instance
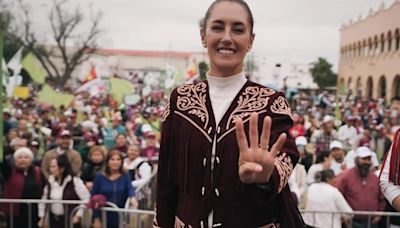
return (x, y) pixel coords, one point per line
(322, 73)
(203, 68)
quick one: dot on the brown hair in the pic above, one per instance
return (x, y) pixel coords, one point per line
(110, 154)
(97, 148)
(203, 23)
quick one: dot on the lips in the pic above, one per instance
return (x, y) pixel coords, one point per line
(226, 50)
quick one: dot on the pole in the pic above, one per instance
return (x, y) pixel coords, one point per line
(1, 95)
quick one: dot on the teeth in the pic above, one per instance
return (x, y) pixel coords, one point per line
(225, 51)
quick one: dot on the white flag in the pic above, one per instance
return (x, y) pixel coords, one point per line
(15, 62)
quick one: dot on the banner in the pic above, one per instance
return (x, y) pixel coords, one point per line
(34, 68)
(21, 92)
(51, 97)
(120, 88)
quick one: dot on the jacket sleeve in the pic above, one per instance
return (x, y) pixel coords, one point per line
(281, 115)
(167, 190)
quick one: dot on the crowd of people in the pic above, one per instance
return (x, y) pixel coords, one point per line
(93, 148)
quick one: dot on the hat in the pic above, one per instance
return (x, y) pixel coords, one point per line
(363, 152)
(23, 150)
(64, 133)
(301, 140)
(351, 118)
(335, 144)
(34, 143)
(150, 134)
(327, 119)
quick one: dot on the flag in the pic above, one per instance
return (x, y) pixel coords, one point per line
(51, 97)
(15, 62)
(120, 88)
(34, 68)
(338, 114)
(21, 92)
(192, 70)
(91, 75)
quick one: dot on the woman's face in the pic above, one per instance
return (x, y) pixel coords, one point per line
(114, 163)
(54, 168)
(23, 161)
(133, 152)
(121, 140)
(97, 156)
(228, 38)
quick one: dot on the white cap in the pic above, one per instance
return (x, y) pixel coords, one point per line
(363, 152)
(328, 118)
(335, 144)
(23, 150)
(301, 140)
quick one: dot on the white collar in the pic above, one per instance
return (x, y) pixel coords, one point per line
(239, 78)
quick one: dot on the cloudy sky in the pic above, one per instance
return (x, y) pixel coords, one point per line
(286, 30)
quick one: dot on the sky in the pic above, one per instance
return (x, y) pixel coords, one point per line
(287, 31)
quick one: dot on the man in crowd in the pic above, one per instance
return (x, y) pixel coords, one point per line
(360, 187)
(337, 152)
(347, 133)
(324, 136)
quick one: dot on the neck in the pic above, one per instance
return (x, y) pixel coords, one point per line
(114, 172)
(225, 72)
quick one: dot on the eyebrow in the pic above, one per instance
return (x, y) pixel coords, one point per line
(237, 23)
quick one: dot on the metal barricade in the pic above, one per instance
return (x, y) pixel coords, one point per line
(31, 202)
(350, 215)
(129, 218)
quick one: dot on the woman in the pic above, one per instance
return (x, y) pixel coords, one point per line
(138, 168)
(324, 161)
(95, 164)
(62, 184)
(209, 176)
(22, 181)
(121, 144)
(324, 195)
(115, 185)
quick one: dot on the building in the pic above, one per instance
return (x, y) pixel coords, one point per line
(369, 64)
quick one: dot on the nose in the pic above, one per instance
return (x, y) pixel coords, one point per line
(226, 38)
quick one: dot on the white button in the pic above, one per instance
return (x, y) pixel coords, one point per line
(203, 190)
(217, 225)
(204, 162)
(217, 158)
(216, 192)
(218, 130)
(209, 130)
(201, 224)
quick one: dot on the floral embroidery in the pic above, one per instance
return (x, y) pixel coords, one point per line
(194, 99)
(280, 106)
(180, 224)
(166, 113)
(284, 166)
(252, 99)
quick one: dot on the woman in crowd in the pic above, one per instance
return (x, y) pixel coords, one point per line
(115, 184)
(22, 181)
(95, 164)
(62, 184)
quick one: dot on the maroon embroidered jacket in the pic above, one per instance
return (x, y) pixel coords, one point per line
(188, 189)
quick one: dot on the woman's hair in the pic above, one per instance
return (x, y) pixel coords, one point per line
(321, 157)
(97, 148)
(63, 162)
(326, 175)
(110, 154)
(203, 23)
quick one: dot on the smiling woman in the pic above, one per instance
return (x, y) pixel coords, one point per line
(225, 155)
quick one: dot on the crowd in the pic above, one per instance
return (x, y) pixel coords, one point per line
(99, 147)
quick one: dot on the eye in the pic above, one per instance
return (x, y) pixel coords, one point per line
(217, 28)
(238, 30)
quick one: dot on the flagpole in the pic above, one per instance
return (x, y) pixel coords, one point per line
(1, 95)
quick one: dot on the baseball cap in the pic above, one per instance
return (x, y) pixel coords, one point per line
(363, 152)
(335, 144)
(327, 119)
(301, 140)
(64, 133)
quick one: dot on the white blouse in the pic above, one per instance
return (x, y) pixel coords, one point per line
(389, 190)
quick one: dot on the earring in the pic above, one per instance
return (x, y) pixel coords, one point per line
(204, 45)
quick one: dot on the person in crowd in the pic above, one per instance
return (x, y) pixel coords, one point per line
(35, 148)
(89, 140)
(22, 180)
(324, 196)
(298, 128)
(121, 144)
(324, 136)
(62, 184)
(347, 133)
(324, 161)
(115, 184)
(151, 148)
(338, 163)
(380, 142)
(138, 168)
(351, 158)
(306, 158)
(360, 187)
(94, 165)
(209, 175)
(64, 147)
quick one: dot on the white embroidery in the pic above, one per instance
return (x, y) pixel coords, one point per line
(280, 106)
(180, 224)
(284, 165)
(166, 113)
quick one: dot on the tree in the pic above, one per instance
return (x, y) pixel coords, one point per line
(72, 46)
(322, 73)
(203, 68)
(10, 45)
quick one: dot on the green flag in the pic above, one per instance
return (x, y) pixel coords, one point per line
(120, 88)
(34, 68)
(51, 97)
